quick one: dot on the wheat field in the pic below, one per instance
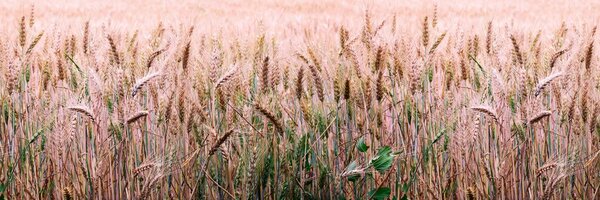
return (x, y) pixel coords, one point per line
(299, 99)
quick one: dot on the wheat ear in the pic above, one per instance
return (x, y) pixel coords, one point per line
(142, 81)
(544, 82)
(84, 110)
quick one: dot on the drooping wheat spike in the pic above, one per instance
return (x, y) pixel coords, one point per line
(225, 78)
(318, 82)
(86, 36)
(302, 58)
(22, 32)
(437, 43)
(138, 115)
(425, 33)
(270, 116)
(518, 57)
(588, 56)
(34, 42)
(486, 110)
(379, 86)
(142, 168)
(83, 110)
(142, 81)
(555, 57)
(265, 74)
(219, 142)
(489, 38)
(544, 82)
(186, 57)
(541, 115)
(299, 89)
(153, 57)
(114, 54)
(547, 167)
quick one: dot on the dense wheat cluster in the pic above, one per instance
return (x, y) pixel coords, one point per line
(369, 110)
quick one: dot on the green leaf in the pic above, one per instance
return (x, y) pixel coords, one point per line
(350, 167)
(380, 193)
(361, 146)
(383, 160)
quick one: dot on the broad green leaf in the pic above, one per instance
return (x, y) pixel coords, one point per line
(361, 146)
(384, 160)
(380, 193)
(350, 167)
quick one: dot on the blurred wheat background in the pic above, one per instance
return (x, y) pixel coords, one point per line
(299, 99)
